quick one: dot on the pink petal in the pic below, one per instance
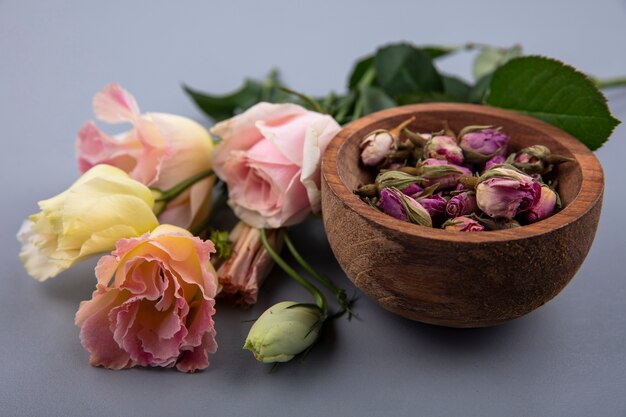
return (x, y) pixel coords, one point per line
(240, 133)
(113, 104)
(95, 336)
(95, 147)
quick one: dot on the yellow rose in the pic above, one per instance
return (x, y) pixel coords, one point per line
(102, 206)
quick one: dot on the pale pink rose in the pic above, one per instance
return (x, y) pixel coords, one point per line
(160, 151)
(270, 158)
(153, 304)
(249, 264)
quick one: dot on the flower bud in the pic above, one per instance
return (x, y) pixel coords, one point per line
(505, 192)
(463, 224)
(444, 173)
(435, 205)
(480, 145)
(376, 146)
(444, 148)
(494, 161)
(545, 206)
(461, 204)
(396, 204)
(399, 180)
(283, 331)
(532, 159)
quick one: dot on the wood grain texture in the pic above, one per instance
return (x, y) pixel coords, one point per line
(450, 278)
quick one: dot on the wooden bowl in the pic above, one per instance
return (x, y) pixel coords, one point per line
(459, 279)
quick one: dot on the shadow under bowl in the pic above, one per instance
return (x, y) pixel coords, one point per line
(459, 279)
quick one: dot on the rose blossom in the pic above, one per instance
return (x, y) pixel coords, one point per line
(153, 304)
(160, 151)
(270, 158)
(461, 204)
(444, 148)
(504, 192)
(102, 206)
(544, 207)
(483, 144)
(249, 264)
(463, 224)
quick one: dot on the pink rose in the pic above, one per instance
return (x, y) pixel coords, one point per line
(160, 151)
(270, 158)
(153, 304)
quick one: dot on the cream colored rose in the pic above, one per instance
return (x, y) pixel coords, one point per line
(102, 206)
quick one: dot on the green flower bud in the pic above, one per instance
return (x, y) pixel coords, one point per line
(283, 331)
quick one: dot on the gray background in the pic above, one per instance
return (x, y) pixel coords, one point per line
(566, 359)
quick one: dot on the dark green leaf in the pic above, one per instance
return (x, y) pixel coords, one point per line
(415, 98)
(438, 51)
(364, 67)
(556, 93)
(225, 106)
(480, 90)
(374, 99)
(456, 87)
(404, 69)
(345, 107)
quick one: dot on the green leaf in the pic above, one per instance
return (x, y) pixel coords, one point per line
(374, 99)
(480, 90)
(415, 98)
(439, 51)
(404, 69)
(364, 67)
(345, 106)
(222, 107)
(456, 87)
(556, 93)
(490, 58)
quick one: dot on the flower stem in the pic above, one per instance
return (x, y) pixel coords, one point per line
(168, 195)
(325, 281)
(611, 82)
(320, 300)
(310, 101)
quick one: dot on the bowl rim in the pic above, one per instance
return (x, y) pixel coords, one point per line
(589, 194)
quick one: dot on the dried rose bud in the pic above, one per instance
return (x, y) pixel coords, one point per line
(545, 206)
(376, 146)
(463, 224)
(444, 173)
(444, 148)
(400, 180)
(494, 161)
(461, 204)
(412, 190)
(532, 159)
(436, 206)
(396, 204)
(503, 192)
(482, 144)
